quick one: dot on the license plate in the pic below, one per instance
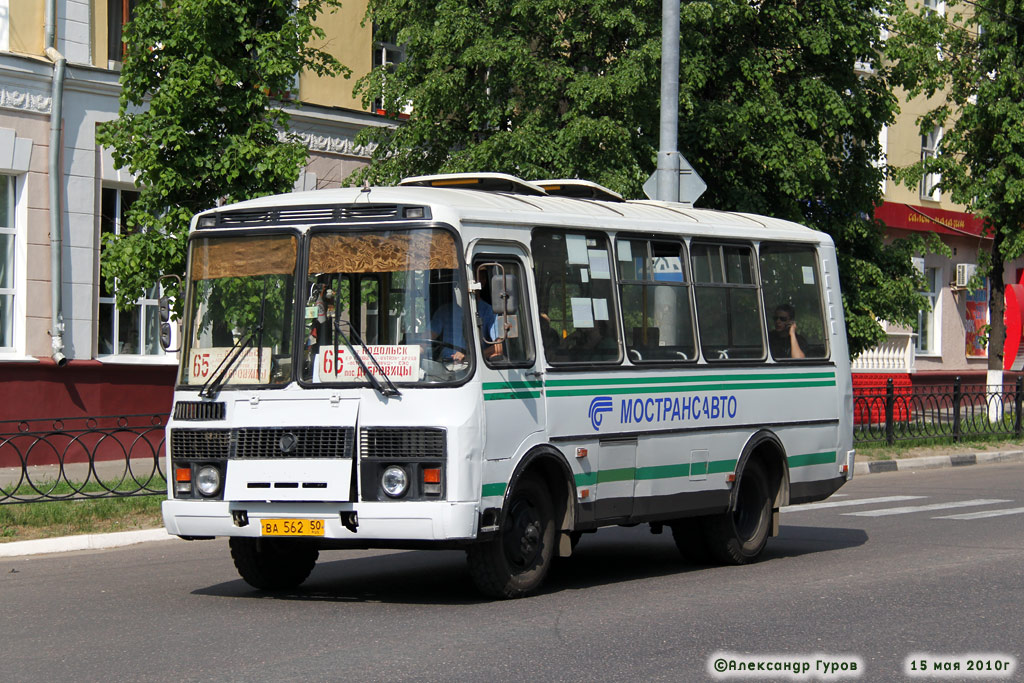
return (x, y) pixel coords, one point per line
(292, 527)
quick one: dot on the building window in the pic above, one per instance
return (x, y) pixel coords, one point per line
(118, 14)
(927, 319)
(134, 332)
(8, 235)
(929, 150)
(5, 23)
(386, 53)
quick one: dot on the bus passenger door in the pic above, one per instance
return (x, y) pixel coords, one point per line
(512, 388)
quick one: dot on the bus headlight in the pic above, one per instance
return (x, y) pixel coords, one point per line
(395, 481)
(208, 480)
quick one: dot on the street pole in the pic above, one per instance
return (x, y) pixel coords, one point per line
(668, 143)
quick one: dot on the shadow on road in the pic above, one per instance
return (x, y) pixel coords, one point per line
(611, 556)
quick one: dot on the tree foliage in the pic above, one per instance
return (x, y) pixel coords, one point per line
(774, 113)
(199, 122)
(973, 55)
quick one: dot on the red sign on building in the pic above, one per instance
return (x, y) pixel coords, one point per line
(924, 219)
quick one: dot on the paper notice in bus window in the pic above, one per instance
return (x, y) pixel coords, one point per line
(600, 309)
(576, 248)
(582, 312)
(599, 264)
(584, 275)
(625, 250)
(808, 275)
(248, 369)
(399, 363)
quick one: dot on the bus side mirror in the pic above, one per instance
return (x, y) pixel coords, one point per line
(165, 317)
(165, 337)
(504, 294)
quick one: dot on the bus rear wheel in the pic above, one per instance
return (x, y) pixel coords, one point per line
(514, 562)
(273, 564)
(739, 536)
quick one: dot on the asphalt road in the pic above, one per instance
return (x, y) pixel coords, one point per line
(861, 579)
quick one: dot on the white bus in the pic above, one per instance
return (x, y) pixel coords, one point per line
(474, 361)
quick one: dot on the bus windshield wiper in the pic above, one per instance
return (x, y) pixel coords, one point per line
(213, 384)
(390, 389)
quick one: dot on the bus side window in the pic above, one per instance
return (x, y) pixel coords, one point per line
(728, 312)
(575, 297)
(656, 305)
(791, 283)
(502, 316)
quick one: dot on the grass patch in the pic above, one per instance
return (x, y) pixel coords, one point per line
(46, 519)
(935, 446)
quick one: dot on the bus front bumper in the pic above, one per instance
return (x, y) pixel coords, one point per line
(398, 521)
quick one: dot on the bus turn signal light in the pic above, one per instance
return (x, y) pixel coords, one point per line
(432, 481)
(183, 480)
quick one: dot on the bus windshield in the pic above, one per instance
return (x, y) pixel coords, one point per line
(394, 298)
(240, 311)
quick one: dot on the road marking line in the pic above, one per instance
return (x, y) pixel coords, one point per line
(924, 508)
(984, 514)
(840, 503)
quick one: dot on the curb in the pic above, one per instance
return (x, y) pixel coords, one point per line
(64, 544)
(933, 462)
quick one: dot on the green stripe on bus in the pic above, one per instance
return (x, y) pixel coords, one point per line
(693, 388)
(527, 384)
(676, 471)
(512, 394)
(662, 472)
(721, 466)
(687, 378)
(493, 490)
(620, 474)
(654, 472)
(826, 458)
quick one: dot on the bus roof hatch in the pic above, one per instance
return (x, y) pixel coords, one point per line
(579, 189)
(486, 182)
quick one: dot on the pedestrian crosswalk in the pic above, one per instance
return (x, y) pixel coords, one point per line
(887, 509)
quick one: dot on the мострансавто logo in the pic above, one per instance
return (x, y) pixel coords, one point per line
(665, 410)
(599, 406)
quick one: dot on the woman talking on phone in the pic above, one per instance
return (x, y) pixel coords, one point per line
(783, 339)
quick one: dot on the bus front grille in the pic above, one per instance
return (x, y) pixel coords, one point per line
(198, 410)
(403, 442)
(263, 442)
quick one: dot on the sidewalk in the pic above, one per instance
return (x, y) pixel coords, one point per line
(954, 458)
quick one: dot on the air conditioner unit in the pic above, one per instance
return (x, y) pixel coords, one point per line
(964, 272)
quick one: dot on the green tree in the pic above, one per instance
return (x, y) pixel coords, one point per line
(974, 56)
(774, 113)
(199, 121)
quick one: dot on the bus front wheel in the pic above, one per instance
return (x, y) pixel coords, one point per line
(273, 564)
(739, 536)
(514, 562)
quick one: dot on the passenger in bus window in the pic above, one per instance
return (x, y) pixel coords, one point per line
(783, 338)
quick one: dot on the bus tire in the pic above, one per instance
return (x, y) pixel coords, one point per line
(739, 536)
(273, 564)
(514, 562)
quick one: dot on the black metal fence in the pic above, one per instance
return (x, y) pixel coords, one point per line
(944, 412)
(81, 458)
(118, 456)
